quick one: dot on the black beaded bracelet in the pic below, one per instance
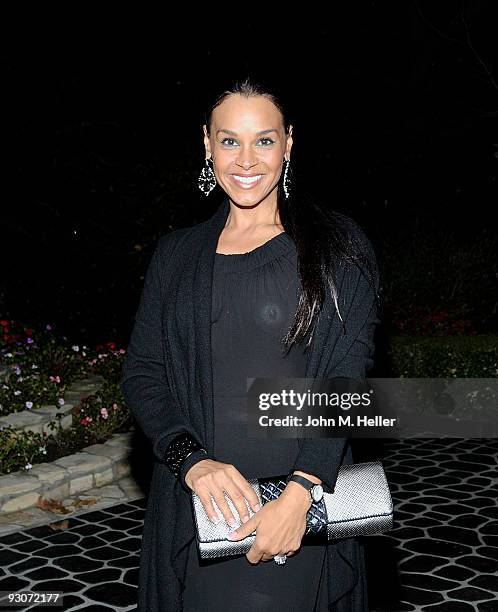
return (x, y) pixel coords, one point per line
(179, 449)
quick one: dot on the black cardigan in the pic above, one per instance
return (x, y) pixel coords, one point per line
(167, 382)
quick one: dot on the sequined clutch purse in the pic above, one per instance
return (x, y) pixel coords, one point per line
(360, 504)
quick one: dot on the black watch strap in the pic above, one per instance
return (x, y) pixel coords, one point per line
(305, 482)
(179, 449)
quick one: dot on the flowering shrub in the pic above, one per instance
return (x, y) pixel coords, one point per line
(435, 282)
(42, 366)
(424, 321)
(20, 449)
(103, 413)
(108, 361)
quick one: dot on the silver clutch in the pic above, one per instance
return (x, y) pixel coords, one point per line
(360, 504)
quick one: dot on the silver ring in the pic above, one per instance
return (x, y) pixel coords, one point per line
(280, 559)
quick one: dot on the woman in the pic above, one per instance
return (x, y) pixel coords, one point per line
(271, 285)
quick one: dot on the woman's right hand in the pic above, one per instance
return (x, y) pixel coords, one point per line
(209, 478)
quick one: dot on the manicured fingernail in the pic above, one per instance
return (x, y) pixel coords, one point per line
(215, 520)
(232, 535)
(256, 507)
(245, 519)
(232, 521)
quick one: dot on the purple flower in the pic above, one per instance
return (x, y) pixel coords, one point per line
(29, 340)
(29, 404)
(61, 401)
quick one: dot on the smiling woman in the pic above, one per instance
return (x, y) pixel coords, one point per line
(269, 286)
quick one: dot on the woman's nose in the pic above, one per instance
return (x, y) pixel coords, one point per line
(247, 159)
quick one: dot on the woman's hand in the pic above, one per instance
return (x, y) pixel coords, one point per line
(280, 525)
(209, 478)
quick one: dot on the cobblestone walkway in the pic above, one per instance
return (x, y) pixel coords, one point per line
(445, 540)
(442, 555)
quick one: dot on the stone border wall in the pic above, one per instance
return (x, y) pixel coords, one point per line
(38, 419)
(95, 466)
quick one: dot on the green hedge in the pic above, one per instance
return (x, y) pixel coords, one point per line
(444, 356)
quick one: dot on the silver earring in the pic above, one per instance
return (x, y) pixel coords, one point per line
(287, 178)
(207, 179)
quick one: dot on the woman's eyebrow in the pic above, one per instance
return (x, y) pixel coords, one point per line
(232, 133)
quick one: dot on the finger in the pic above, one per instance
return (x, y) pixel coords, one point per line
(270, 557)
(207, 502)
(238, 500)
(255, 553)
(247, 491)
(244, 489)
(246, 529)
(222, 503)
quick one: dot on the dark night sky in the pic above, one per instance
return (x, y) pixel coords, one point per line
(396, 112)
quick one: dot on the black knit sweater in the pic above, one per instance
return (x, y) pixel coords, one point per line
(167, 385)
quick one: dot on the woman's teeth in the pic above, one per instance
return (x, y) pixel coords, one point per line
(246, 180)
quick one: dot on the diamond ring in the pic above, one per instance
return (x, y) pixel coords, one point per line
(280, 559)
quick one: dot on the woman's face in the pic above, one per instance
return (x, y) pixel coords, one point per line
(248, 140)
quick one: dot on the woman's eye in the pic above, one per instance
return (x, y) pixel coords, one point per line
(270, 141)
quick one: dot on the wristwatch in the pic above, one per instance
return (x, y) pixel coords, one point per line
(315, 490)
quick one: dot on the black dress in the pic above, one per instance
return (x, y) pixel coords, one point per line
(254, 298)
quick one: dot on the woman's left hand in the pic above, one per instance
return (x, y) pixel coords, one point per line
(279, 525)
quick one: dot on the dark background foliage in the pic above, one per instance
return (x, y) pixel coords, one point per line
(395, 107)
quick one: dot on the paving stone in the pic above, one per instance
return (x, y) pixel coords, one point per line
(81, 463)
(470, 594)
(103, 478)
(421, 563)
(438, 548)
(11, 484)
(19, 502)
(113, 452)
(486, 581)
(446, 606)
(454, 534)
(454, 572)
(48, 473)
(110, 491)
(83, 483)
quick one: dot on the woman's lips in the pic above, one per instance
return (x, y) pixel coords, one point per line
(249, 183)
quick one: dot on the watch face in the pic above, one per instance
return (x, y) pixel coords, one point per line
(317, 492)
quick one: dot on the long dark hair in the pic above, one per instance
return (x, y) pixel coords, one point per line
(323, 237)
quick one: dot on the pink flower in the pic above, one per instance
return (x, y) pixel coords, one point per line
(104, 413)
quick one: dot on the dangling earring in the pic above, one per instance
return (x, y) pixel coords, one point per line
(207, 179)
(287, 178)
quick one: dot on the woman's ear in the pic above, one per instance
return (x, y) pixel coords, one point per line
(207, 144)
(289, 143)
